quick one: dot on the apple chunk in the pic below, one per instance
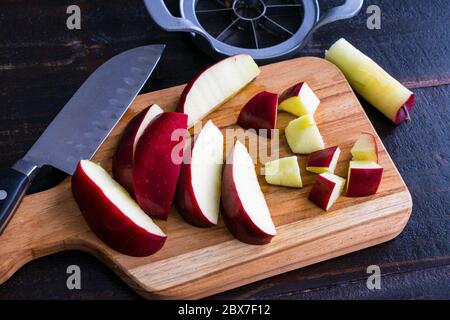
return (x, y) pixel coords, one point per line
(303, 136)
(299, 100)
(364, 178)
(324, 160)
(372, 82)
(198, 191)
(215, 85)
(112, 214)
(244, 208)
(283, 172)
(365, 148)
(260, 113)
(326, 190)
(122, 162)
(157, 161)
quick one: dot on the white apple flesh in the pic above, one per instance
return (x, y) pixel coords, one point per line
(198, 191)
(372, 82)
(244, 208)
(303, 136)
(215, 85)
(326, 190)
(365, 148)
(112, 214)
(283, 172)
(299, 100)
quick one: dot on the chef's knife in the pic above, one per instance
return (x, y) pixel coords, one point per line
(82, 125)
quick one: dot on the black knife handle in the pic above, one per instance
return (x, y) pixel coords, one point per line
(13, 186)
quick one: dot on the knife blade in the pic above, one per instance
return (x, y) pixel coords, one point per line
(83, 124)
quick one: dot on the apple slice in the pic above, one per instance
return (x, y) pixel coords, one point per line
(122, 161)
(157, 161)
(299, 100)
(283, 172)
(326, 190)
(303, 136)
(372, 82)
(364, 178)
(112, 214)
(324, 160)
(365, 148)
(215, 85)
(260, 113)
(198, 191)
(244, 208)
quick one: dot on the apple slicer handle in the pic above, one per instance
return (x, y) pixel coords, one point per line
(347, 10)
(162, 16)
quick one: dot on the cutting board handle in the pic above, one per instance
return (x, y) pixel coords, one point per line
(46, 222)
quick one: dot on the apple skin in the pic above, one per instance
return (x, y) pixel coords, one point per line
(322, 159)
(187, 201)
(109, 224)
(122, 161)
(325, 191)
(321, 192)
(184, 95)
(363, 182)
(234, 214)
(260, 112)
(155, 175)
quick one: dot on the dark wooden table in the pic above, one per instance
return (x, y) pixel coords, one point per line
(42, 63)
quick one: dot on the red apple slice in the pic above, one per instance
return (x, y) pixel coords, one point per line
(326, 190)
(198, 191)
(260, 113)
(324, 160)
(299, 100)
(215, 85)
(112, 214)
(364, 178)
(365, 148)
(123, 158)
(244, 208)
(157, 161)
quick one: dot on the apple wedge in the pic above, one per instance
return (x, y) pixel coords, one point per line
(326, 190)
(260, 113)
(303, 136)
(157, 161)
(215, 85)
(198, 191)
(299, 100)
(122, 162)
(283, 172)
(364, 178)
(365, 148)
(112, 214)
(244, 208)
(372, 82)
(323, 160)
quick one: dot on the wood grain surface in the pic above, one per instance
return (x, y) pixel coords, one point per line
(42, 64)
(197, 262)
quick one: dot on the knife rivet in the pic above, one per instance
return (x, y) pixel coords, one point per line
(3, 194)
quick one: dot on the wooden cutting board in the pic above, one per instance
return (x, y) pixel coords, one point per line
(199, 262)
